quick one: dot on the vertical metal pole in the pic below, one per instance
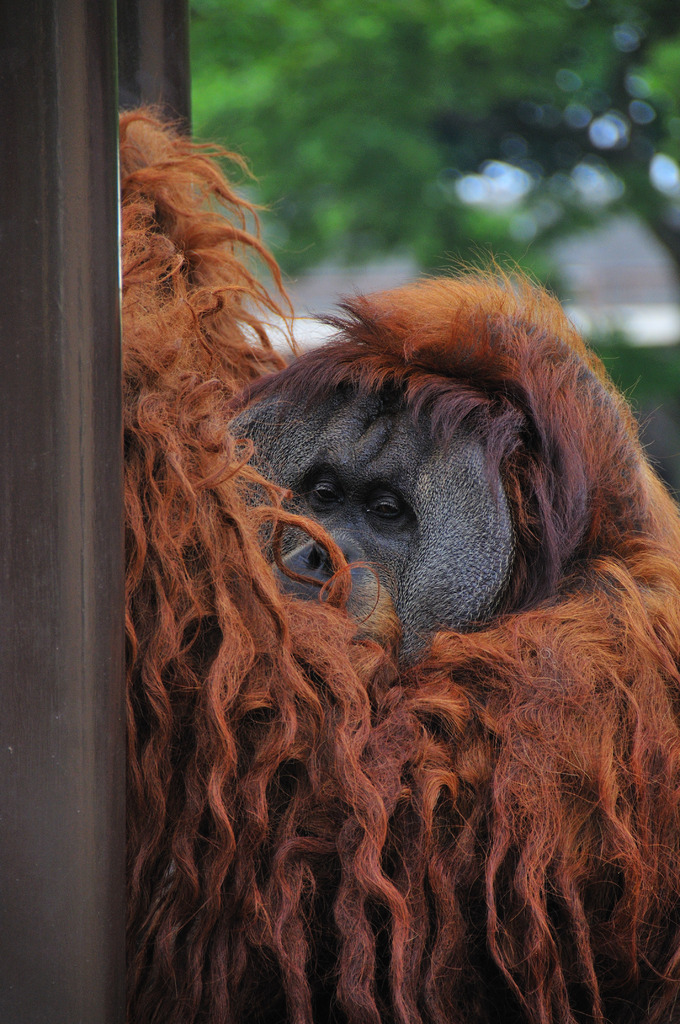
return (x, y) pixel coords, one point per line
(153, 56)
(61, 534)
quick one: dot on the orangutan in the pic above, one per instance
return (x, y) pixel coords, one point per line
(446, 787)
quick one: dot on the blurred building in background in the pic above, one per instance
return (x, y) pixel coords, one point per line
(618, 278)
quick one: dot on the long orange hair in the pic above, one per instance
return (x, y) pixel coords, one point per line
(315, 834)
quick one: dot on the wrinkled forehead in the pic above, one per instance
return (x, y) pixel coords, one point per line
(378, 436)
(366, 437)
(373, 433)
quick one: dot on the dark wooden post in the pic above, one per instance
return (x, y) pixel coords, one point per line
(153, 56)
(61, 534)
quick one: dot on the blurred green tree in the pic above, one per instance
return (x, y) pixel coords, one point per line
(439, 127)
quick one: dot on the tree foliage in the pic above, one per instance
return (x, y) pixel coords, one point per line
(443, 126)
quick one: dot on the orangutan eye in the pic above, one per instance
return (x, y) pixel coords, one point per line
(385, 505)
(325, 493)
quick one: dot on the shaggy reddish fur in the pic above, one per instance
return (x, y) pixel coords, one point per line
(490, 836)
(246, 715)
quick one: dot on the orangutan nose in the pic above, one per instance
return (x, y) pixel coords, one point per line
(312, 559)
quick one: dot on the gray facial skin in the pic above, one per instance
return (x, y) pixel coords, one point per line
(431, 521)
